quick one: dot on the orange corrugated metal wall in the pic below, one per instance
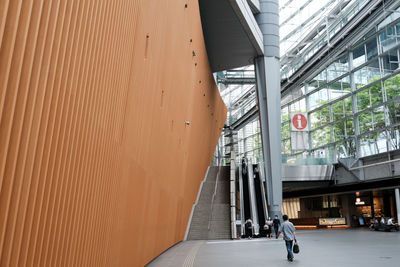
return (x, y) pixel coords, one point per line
(97, 164)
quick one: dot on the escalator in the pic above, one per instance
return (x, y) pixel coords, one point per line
(259, 201)
(246, 197)
(252, 198)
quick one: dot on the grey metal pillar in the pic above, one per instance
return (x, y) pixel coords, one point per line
(269, 102)
(397, 196)
(253, 201)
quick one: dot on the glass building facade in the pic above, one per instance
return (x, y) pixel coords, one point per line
(352, 101)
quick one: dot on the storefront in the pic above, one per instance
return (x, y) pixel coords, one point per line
(356, 208)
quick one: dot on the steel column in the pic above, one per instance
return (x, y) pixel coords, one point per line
(269, 101)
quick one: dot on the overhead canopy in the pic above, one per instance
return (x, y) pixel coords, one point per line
(231, 33)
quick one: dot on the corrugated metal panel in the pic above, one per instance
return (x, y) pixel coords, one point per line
(97, 164)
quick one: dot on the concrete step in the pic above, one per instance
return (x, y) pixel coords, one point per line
(220, 219)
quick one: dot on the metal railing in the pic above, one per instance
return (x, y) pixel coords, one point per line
(215, 190)
(232, 195)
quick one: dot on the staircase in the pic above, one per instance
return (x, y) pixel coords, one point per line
(220, 224)
(220, 219)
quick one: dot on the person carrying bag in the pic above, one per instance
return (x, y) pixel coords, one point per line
(296, 248)
(289, 234)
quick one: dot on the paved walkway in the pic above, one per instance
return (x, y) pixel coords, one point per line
(318, 248)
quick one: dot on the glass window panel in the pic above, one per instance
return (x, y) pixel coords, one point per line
(285, 114)
(302, 103)
(241, 146)
(394, 139)
(339, 88)
(314, 117)
(240, 133)
(348, 108)
(341, 109)
(318, 98)
(371, 120)
(257, 156)
(343, 129)
(390, 17)
(249, 155)
(286, 147)
(350, 127)
(373, 143)
(257, 142)
(330, 154)
(338, 111)
(337, 68)
(346, 148)
(339, 131)
(372, 49)
(367, 74)
(321, 137)
(369, 97)
(378, 118)
(398, 31)
(294, 94)
(312, 85)
(392, 87)
(365, 122)
(363, 100)
(249, 143)
(256, 126)
(387, 38)
(359, 56)
(320, 117)
(394, 112)
(298, 106)
(375, 92)
(390, 62)
(285, 130)
(325, 115)
(321, 78)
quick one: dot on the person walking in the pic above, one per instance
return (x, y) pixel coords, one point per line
(244, 166)
(276, 223)
(289, 234)
(248, 227)
(268, 227)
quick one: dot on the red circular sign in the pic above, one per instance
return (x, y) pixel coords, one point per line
(299, 121)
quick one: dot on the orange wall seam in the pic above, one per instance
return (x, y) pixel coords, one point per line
(98, 166)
